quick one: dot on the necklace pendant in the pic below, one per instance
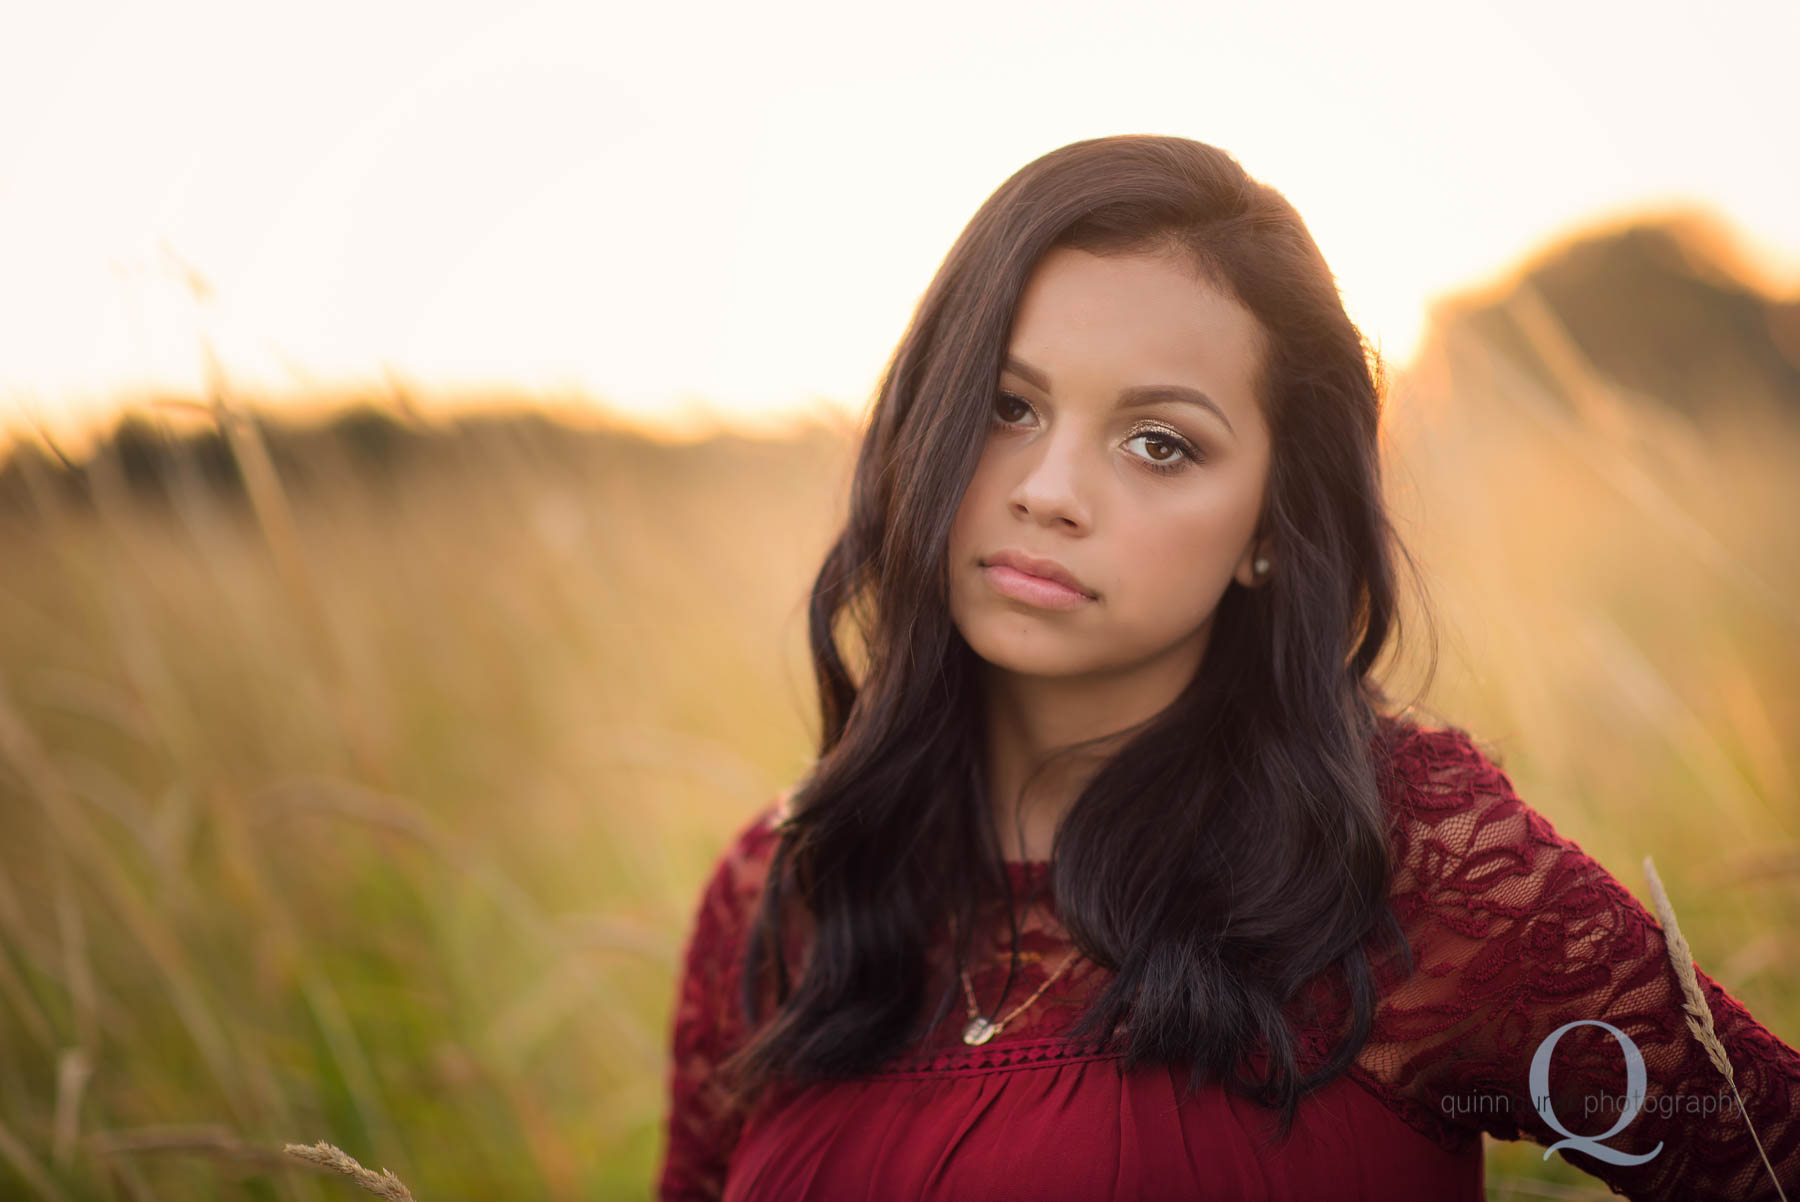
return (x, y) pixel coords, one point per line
(979, 1030)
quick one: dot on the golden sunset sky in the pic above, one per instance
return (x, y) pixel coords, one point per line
(731, 208)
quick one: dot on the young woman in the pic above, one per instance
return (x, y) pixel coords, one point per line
(1118, 875)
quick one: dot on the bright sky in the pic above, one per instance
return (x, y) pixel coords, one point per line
(740, 203)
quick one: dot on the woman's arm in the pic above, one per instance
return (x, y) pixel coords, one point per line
(1526, 946)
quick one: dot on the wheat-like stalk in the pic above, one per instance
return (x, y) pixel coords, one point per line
(1698, 1012)
(383, 1184)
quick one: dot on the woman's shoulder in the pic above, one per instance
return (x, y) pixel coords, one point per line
(735, 882)
(1444, 783)
(1457, 826)
(1435, 756)
(1463, 840)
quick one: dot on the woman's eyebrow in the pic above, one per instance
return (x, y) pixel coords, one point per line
(1137, 394)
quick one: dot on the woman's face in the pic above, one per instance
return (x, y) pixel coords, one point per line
(1149, 502)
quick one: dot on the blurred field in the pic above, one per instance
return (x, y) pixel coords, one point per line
(371, 804)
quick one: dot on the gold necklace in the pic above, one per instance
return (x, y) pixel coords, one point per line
(980, 1029)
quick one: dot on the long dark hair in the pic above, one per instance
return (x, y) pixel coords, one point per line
(1236, 845)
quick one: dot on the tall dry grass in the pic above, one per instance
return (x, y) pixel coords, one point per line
(373, 811)
(1698, 1011)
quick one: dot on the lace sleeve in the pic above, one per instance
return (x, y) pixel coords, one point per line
(1517, 934)
(702, 1124)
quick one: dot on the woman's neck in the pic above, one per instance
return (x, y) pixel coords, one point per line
(1032, 781)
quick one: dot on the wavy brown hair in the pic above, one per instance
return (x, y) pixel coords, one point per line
(1235, 846)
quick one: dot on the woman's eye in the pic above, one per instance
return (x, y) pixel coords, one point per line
(1169, 453)
(1007, 401)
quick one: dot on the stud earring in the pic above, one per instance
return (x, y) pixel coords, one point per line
(1260, 566)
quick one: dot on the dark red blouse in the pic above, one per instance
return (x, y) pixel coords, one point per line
(1515, 933)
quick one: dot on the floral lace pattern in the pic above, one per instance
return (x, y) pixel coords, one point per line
(1515, 932)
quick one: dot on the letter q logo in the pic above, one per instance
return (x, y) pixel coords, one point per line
(1634, 1092)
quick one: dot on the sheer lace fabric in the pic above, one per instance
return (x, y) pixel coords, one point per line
(1515, 932)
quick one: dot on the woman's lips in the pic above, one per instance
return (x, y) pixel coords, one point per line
(1033, 590)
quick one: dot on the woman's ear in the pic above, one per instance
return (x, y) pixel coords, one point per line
(1256, 567)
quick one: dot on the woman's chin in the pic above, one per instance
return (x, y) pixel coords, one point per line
(1032, 656)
